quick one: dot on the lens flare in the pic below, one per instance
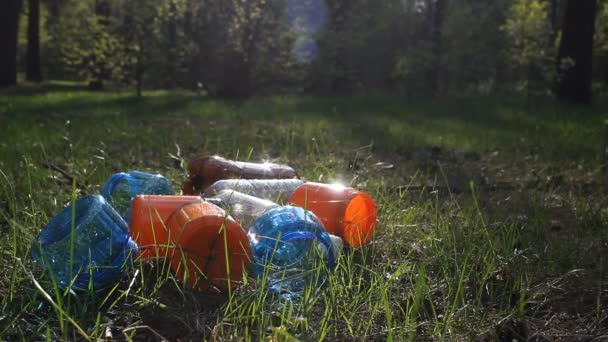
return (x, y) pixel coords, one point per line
(306, 18)
(305, 49)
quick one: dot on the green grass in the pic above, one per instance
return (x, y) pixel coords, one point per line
(492, 213)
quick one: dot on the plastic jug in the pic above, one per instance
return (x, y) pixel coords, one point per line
(85, 242)
(205, 171)
(212, 251)
(344, 211)
(121, 188)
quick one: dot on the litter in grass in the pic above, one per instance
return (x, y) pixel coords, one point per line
(211, 242)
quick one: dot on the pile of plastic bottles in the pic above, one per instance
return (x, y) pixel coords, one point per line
(234, 219)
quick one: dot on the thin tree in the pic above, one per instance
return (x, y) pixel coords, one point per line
(103, 11)
(32, 70)
(9, 27)
(341, 79)
(436, 42)
(575, 58)
(172, 46)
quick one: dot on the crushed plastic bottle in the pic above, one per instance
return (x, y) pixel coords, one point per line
(94, 254)
(207, 170)
(276, 190)
(290, 249)
(344, 211)
(121, 188)
(244, 208)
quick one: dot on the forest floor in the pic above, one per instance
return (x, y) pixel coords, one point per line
(492, 217)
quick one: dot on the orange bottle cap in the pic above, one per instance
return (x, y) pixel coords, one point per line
(344, 211)
(149, 214)
(212, 250)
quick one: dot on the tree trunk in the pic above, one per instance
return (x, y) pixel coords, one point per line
(237, 76)
(102, 12)
(604, 69)
(54, 7)
(552, 22)
(341, 81)
(436, 37)
(575, 59)
(9, 27)
(193, 66)
(140, 67)
(171, 59)
(33, 72)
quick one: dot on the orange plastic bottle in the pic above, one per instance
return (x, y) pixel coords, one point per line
(344, 211)
(212, 250)
(205, 171)
(149, 215)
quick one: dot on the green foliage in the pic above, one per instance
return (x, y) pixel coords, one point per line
(357, 45)
(413, 67)
(245, 47)
(86, 47)
(530, 50)
(187, 43)
(473, 56)
(601, 29)
(526, 25)
(137, 38)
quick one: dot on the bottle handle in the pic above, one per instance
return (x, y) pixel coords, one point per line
(113, 182)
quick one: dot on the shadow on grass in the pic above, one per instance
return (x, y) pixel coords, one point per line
(394, 124)
(32, 89)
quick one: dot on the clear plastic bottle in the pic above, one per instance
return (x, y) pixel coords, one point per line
(288, 243)
(338, 245)
(276, 190)
(121, 188)
(97, 249)
(207, 170)
(244, 208)
(290, 249)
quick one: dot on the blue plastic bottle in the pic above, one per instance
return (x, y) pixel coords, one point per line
(290, 249)
(98, 249)
(121, 189)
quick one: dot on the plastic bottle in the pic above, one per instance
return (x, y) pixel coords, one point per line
(121, 188)
(205, 171)
(244, 208)
(344, 211)
(338, 245)
(97, 249)
(301, 225)
(149, 215)
(290, 249)
(212, 251)
(276, 190)
(248, 209)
